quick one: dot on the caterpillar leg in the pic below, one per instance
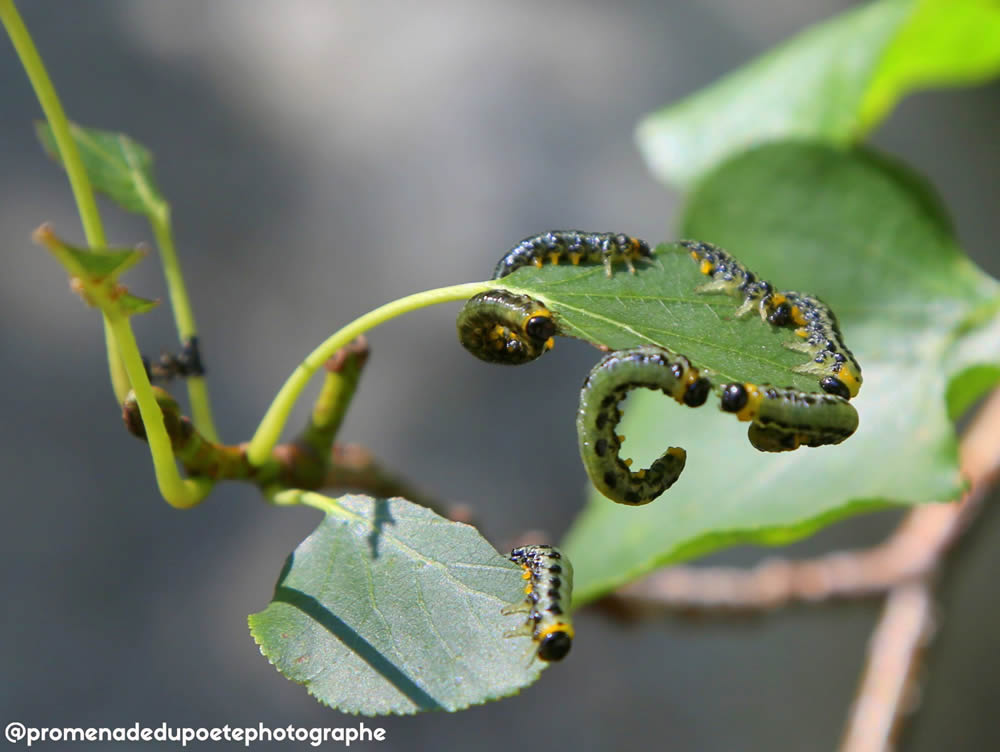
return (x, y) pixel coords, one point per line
(812, 368)
(609, 382)
(525, 630)
(715, 286)
(530, 596)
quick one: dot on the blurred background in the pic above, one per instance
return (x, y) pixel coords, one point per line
(324, 158)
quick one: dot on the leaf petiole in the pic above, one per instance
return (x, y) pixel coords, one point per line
(271, 426)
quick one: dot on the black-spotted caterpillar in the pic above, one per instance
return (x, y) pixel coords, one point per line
(607, 248)
(830, 359)
(548, 592)
(785, 419)
(502, 327)
(608, 383)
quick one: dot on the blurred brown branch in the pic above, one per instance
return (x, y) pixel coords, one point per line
(888, 687)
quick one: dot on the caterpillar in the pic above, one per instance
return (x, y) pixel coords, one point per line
(171, 366)
(785, 419)
(830, 358)
(576, 246)
(548, 592)
(607, 384)
(500, 327)
(821, 338)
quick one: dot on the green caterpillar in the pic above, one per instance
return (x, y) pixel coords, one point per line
(548, 593)
(609, 382)
(830, 359)
(607, 248)
(785, 419)
(501, 327)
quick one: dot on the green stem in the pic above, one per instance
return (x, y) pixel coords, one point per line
(343, 372)
(292, 496)
(201, 407)
(270, 428)
(198, 456)
(177, 491)
(180, 303)
(159, 220)
(53, 110)
(78, 180)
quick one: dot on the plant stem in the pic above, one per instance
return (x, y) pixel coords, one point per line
(78, 180)
(49, 100)
(177, 491)
(292, 496)
(180, 304)
(270, 428)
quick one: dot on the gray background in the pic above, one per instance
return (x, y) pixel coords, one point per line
(323, 158)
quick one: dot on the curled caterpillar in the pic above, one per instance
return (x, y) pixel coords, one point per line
(607, 384)
(548, 592)
(500, 327)
(575, 246)
(785, 419)
(830, 359)
(171, 366)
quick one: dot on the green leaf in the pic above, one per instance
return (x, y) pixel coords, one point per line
(117, 166)
(133, 305)
(869, 238)
(388, 608)
(94, 273)
(659, 306)
(944, 43)
(833, 82)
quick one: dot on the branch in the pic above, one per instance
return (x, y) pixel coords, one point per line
(888, 687)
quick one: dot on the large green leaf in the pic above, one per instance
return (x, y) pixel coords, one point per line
(942, 43)
(872, 241)
(388, 608)
(833, 82)
(117, 166)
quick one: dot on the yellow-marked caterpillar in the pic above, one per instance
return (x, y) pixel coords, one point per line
(548, 592)
(814, 322)
(500, 327)
(785, 419)
(577, 247)
(609, 382)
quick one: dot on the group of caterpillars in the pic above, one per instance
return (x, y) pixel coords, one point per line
(501, 327)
